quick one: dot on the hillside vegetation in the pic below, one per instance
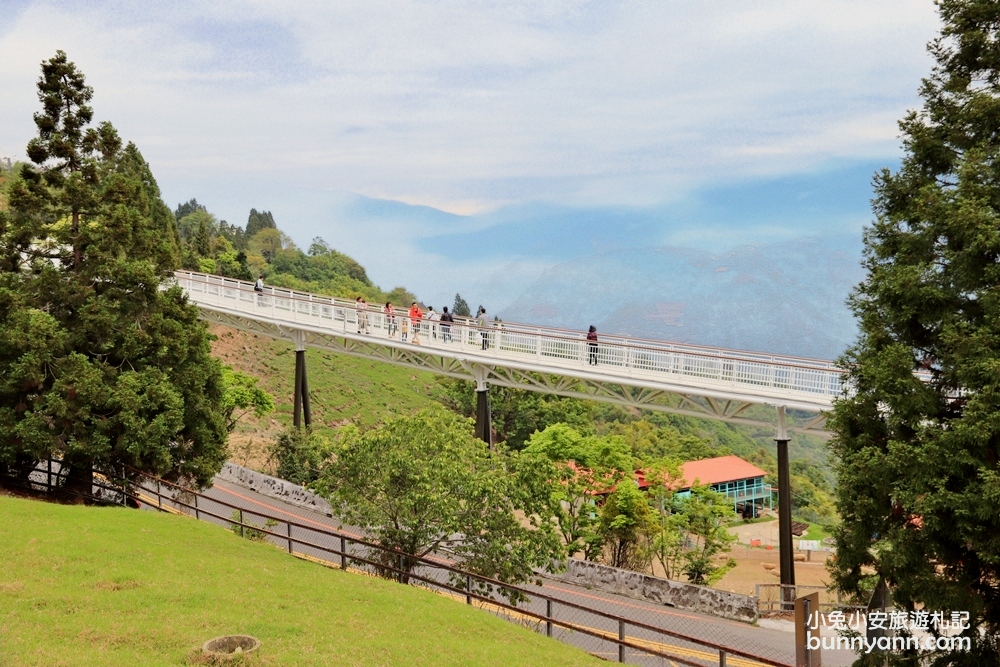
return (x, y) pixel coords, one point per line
(261, 248)
(108, 586)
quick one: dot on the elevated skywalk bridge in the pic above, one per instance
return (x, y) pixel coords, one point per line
(685, 379)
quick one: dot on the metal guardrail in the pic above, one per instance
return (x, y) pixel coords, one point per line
(586, 627)
(773, 598)
(805, 383)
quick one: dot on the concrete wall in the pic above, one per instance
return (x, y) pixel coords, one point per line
(581, 572)
(661, 591)
(279, 489)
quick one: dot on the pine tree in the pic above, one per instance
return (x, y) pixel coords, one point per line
(461, 308)
(918, 439)
(203, 241)
(187, 208)
(258, 221)
(99, 366)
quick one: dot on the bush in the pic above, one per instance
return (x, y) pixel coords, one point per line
(300, 455)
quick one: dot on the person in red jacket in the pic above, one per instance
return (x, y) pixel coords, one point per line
(592, 345)
(416, 315)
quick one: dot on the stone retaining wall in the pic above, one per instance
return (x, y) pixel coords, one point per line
(278, 489)
(581, 572)
(661, 591)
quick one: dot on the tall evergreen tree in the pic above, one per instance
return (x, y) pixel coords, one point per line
(918, 439)
(461, 307)
(99, 366)
(187, 208)
(258, 221)
(203, 240)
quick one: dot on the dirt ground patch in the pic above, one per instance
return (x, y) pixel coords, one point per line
(750, 569)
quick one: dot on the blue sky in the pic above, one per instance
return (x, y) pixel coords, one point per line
(441, 142)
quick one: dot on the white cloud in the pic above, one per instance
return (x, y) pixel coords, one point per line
(468, 106)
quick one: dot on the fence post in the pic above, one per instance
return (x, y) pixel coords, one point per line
(621, 638)
(242, 529)
(722, 658)
(343, 554)
(289, 527)
(548, 615)
(468, 589)
(196, 515)
(49, 476)
(159, 496)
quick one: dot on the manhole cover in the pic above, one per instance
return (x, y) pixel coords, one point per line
(231, 645)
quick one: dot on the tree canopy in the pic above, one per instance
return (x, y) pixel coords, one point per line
(917, 439)
(425, 484)
(98, 364)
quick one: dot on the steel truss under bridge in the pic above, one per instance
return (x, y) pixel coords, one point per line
(654, 375)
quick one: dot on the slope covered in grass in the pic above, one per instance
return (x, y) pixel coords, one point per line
(344, 389)
(110, 586)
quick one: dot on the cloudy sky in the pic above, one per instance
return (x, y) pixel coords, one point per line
(434, 140)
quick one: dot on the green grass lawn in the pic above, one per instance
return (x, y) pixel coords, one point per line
(816, 532)
(111, 586)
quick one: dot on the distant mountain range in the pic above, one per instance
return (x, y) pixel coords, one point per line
(784, 298)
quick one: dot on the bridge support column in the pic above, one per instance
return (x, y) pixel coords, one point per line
(484, 415)
(785, 552)
(301, 406)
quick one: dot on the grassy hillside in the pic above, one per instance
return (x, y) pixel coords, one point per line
(110, 586)
(343, 389)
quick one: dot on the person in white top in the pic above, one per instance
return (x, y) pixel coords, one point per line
(481, 321)
(361, 307)
(433, 317)
(259, 288)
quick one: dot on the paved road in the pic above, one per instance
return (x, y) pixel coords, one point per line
(770, 639)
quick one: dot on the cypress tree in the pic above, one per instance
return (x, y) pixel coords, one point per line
(460, 307)
(202, 241)
(99, 366)
(917, 442)
(258, 221)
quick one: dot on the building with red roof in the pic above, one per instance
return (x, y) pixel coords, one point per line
(740, 480)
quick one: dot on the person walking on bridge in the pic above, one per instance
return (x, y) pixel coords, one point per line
(259, 288)
(446, 320)
(416, 315)
(592, 345)
(390, 319)
(362, 314)
(482, 320)
(433, 317)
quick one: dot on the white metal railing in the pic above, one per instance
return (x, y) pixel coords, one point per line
(811, 383)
